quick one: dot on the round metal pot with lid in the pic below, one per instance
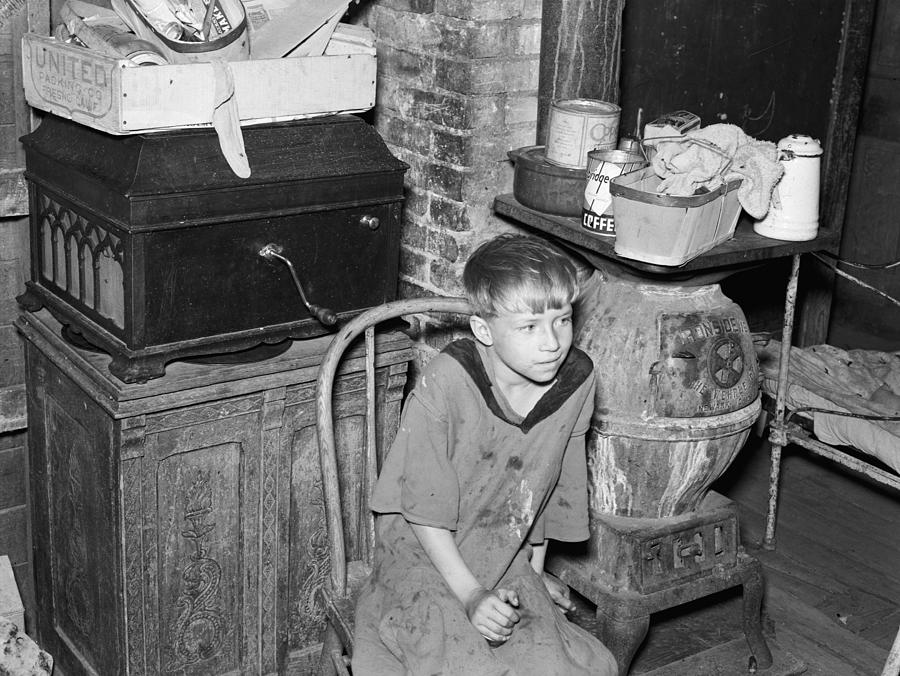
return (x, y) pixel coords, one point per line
(546, 187)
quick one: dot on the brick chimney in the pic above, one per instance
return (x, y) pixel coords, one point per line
(457, 89)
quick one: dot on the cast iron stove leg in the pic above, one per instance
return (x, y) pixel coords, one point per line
(622, 632)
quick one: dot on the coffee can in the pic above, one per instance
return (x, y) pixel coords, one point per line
(578, 126)
(603, 166)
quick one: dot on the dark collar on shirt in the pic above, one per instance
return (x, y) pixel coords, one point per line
(575, 370)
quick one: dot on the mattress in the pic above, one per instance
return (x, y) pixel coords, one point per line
(862, 382)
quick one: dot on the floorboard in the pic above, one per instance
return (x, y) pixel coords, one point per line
(837, 548)
(835, 570)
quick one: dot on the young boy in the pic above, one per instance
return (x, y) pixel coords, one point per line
(488, 463)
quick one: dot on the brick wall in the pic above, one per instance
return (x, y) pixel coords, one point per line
(457, 89)
(15, 540)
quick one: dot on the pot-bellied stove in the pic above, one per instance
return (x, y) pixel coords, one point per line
(150, 247)
(668, 421)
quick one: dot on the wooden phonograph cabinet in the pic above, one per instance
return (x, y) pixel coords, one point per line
(150, 246)
(177, 518)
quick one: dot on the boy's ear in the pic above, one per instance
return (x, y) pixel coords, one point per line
(481, 330)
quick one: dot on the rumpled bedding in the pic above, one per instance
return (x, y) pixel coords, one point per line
(866, 382)
(686, 167)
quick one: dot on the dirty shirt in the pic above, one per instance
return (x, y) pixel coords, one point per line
(464, 461)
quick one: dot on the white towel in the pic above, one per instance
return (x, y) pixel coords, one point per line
(707, 157)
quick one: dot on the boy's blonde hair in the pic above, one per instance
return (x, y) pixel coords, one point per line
(518, 273)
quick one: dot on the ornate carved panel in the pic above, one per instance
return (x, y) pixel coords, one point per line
(200, 562)
(308, 565)
(198, 415)
(134, 590)
(204, 542)
(272, 420)
(83, 260)
(308, 541)
(82, 523)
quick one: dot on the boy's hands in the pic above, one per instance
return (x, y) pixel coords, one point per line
(559, 592)
(493, 613)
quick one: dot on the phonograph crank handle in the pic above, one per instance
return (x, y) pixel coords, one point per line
(323, 314)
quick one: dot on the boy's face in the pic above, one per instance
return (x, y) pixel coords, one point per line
(526, 345)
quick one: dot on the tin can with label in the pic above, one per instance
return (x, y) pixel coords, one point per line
(603, 167)
(578, 126)
(794, 210)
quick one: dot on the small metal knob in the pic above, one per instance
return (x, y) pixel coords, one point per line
(371, 222)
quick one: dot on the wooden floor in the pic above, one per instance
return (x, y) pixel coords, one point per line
(833, 582)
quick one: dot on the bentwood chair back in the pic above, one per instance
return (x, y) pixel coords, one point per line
(347, 576)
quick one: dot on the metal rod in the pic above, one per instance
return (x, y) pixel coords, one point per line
(796, 435)
(778, 435)
(324, 315)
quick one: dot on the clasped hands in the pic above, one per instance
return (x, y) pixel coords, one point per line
(494, 612)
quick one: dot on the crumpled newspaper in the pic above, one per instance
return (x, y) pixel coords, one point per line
(20, 655)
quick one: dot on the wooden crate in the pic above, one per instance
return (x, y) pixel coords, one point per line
(113, 96)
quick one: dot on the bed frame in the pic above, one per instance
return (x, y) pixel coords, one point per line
(783, 431)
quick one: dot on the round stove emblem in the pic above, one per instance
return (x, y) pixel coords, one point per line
(726, 362)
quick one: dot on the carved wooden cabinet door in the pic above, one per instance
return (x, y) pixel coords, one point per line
(75, 521)
(196, 526)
